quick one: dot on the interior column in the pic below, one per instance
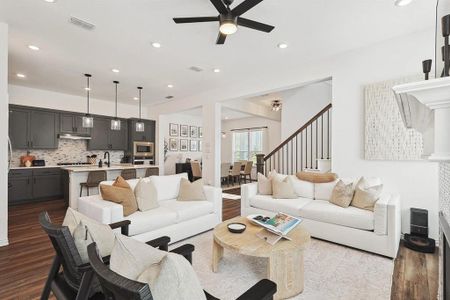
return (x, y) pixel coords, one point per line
(211, 143)
(4, 134)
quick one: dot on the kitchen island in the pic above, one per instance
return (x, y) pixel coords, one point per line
(74, 175)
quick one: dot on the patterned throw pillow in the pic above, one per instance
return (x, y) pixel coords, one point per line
(366, 197)
(342, 194)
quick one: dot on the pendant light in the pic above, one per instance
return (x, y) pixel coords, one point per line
(115, 123)
(88, 120)
(139, 124)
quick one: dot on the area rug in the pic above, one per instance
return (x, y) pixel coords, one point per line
(331, 271)
(231, 196)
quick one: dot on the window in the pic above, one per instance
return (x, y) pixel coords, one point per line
(246, 144)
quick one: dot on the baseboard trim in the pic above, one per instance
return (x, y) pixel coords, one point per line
(4, 243)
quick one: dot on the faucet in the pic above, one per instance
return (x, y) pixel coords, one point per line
(109, 159)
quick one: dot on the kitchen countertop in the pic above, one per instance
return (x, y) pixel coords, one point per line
(87, 168)
(104, 168)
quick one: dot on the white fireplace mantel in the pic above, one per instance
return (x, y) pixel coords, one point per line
(434, 94)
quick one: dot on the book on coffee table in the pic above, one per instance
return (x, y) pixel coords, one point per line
(279, 225)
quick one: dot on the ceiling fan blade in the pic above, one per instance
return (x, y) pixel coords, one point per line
(254, 25)
(244, 7)
(218, 4)
(221, 38)
(195, 20)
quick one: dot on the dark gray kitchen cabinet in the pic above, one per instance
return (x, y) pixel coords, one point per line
(99, 135)
(103, 138)
(28, 185)
(20, 187)
(33, 128)
(18, 128)
(72, 123)
(43, 130)
(47, 186)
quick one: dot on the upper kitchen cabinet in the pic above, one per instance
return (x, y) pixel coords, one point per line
(72, 123)
(147, 136)
(103, 138)
(33, 128)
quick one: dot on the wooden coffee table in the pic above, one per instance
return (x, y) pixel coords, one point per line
(285, 266)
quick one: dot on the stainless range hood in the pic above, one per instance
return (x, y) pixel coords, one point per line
(74, 136)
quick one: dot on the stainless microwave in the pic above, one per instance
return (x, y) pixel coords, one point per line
(143, 149)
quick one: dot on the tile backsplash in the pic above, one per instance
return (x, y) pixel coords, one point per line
(68, 151)
(444, 188)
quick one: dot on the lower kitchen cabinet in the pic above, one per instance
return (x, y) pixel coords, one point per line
(34, 185)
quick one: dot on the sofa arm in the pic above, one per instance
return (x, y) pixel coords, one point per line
(214, 195)
(386, 213)
(248, 191)
(96, 208)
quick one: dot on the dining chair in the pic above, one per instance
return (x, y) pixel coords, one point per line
(235, 172)
(196, 170)
(247, 171)
(225, 172)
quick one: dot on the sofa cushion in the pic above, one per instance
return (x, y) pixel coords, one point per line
(302, 188)
(188, 210)
(168, 187)
(191, 191)
(120, 192)
(323, 191)
(324, 211)
(145, 221)
(316, 177)
(342, 194)
(283, 189)
(264, 185)
(288, 206)
(146, 195)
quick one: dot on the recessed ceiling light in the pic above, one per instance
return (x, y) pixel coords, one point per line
(170, 86)
(136, 98)
(402, 2)
(87, 89)
(50, 1)
(33, 47)
(216, 70)
(226, 118)
(282, 45)
(20, 75)
(156, 45)
(115, 70)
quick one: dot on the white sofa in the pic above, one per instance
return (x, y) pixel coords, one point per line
(176, 219)
(378, 231)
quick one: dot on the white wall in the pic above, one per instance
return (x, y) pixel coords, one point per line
(178, 156)
(301, 104)
(3, 134)
(273, 138)
(22, 95)
(415, 181)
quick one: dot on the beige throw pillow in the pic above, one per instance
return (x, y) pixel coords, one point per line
(146, 195)
(342, 194)
(283, 189)
(316, 177)
(264, 185)
(85, 230)
(130, 258)
(366, 197)
(191, 191)
(121, 193)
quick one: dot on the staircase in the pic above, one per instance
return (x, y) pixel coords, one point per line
(309, 148)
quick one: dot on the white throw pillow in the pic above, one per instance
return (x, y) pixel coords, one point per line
(176, 280)
(323, 191)
(302, 188)
(168, 187)
(130, 257)
(102, 234)
(264, 185)
(366, 195)
(274, 175)
(146, 194)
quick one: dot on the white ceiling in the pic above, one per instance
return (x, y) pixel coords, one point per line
(314, 29)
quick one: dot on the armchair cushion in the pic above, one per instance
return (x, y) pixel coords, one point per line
(84, 230)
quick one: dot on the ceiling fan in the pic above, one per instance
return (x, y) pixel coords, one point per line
(229, 19)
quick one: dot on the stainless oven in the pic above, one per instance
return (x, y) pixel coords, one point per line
(143, 149)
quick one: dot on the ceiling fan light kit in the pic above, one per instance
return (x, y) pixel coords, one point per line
(229, 19)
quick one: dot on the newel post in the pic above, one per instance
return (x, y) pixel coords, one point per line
(260, 163)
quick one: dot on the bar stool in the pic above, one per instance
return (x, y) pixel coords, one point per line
(93, 180)
(128, 174)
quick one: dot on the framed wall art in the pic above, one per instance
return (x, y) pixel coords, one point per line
(173, 129)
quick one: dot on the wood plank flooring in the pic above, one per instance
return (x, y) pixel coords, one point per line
(24, 264)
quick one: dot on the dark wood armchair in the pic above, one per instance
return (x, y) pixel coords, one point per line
(77, 280)
(117, 287)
